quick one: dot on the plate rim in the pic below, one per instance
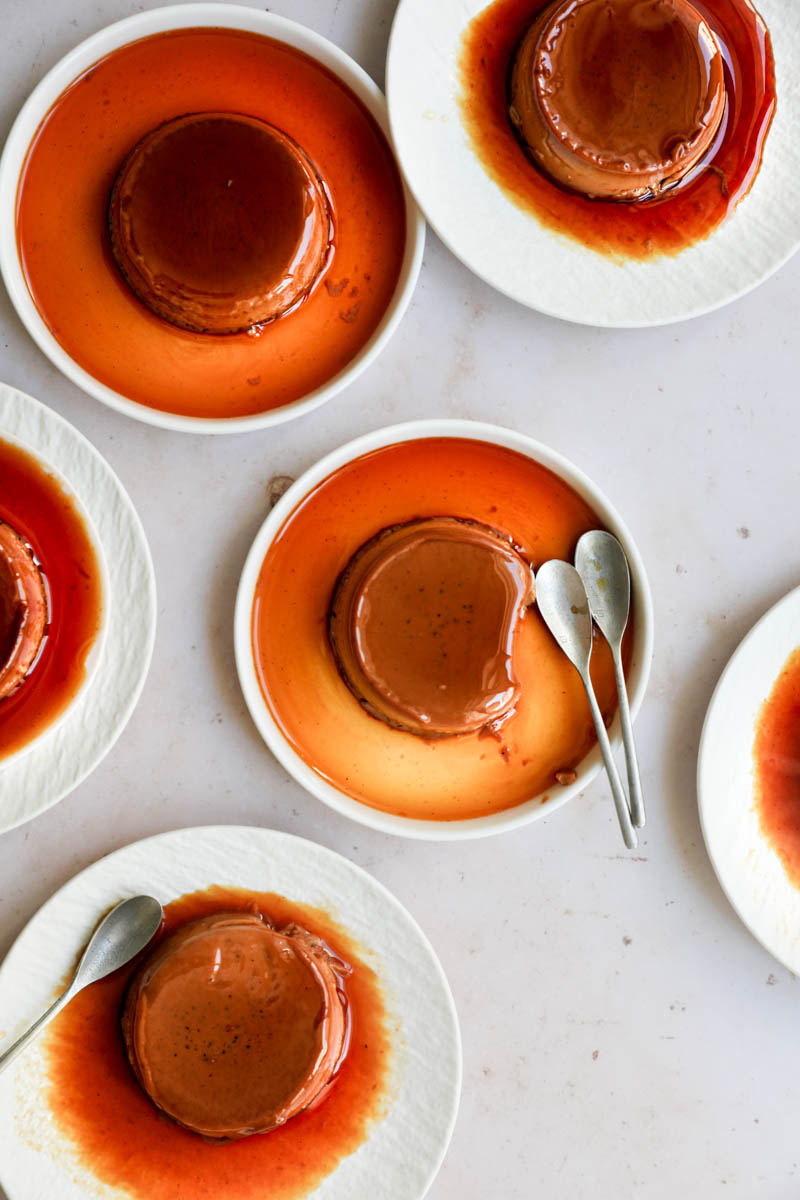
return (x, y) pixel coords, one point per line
(42, 747)
(790, 599)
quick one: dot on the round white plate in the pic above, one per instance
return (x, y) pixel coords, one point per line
(145, 24)
(269, 728)
(554, 274)
(403, 1151)
(65, 754)
(750, 873)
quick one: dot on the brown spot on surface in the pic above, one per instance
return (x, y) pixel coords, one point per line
(350, 315)
(336, 289)
(276, 487)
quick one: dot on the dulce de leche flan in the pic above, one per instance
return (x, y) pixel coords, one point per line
(23, 610)
(618, 99)
(233, 1027)
(219, 222)
(422, 625)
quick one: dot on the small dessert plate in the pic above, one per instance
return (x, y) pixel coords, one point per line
(749, 871)
(231, 59)
(403, 1149)
(67, 751)
(550, 272)
(409, 785)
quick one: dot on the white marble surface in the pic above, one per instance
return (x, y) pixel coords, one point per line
(623, 1034)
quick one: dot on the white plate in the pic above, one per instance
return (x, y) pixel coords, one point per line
(270, 730)
(514, 253)
(750, 873)
(65, 754)
(145, 24)
(403, 1151)
(95, 654)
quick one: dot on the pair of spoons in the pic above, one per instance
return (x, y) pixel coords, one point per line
(598, 587)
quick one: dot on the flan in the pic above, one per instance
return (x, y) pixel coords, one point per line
(233, 1027)
(23, 610)
(219, 222)
(618, 99)
(422, 625)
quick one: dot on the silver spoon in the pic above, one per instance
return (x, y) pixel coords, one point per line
(603, 567)
(117, 939)
(561, 599)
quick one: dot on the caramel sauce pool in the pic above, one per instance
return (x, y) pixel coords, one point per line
(64, 246)
(626, 230)
(550, 729)
(33, 502)
(776, 757)
(119, 1134)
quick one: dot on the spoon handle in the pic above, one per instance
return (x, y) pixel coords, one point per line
(631, 762)
(8, 1056)
(620, 801)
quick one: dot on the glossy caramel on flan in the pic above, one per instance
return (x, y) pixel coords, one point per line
(219, 222)
(233, 1027)
(23, 610)
(618, 99)
(423, 621)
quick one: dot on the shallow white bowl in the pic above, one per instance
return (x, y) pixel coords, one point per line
(748, 869)
(145, 24)
(96, 651)
(511, 818)
(555, 274)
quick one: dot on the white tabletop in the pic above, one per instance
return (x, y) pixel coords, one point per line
(623, 1034)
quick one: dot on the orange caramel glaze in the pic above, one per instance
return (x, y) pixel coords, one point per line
(65, 250)
(233, 1027)
(423, 622)
(219, 222)
(549, 729)
(776, 759)
(619, 100)
(688, 212)
(23, 610)
(95, 1100)
(33, 503)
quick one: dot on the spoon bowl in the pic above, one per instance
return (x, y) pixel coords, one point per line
(603, 567)
(119, 937)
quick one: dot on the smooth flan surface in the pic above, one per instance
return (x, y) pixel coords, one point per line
(618, 100)
(219, 222)
(233, 1027)
(23, 610)
(423, 621)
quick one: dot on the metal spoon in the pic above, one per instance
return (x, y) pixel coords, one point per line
(117, 939)
(562, 601)
(603, 567)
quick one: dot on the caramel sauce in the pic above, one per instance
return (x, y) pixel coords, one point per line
(64, 245)
(34, 504)
(96, 1101)
(663, 225)
(776, 758)
(549, 729)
